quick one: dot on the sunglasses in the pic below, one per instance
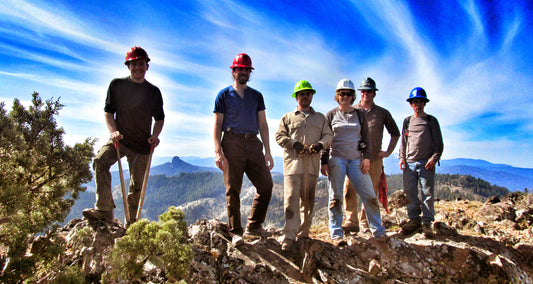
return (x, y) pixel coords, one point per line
(346, 94)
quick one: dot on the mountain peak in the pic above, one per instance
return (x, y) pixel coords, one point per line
(177, 166)
(176, 160)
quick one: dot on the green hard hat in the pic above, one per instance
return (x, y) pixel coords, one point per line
(302, 86)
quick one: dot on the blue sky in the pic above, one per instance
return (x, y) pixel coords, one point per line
(474, 59)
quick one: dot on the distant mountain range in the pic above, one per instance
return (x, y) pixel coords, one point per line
(513, 178)
(177, 166)
(172, 168)
(200, 193)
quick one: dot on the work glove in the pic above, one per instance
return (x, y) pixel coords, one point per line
(299, 147)
(315, 148)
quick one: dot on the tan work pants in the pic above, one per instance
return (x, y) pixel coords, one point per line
(299, 204)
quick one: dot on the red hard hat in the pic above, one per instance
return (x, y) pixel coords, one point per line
(136, 53)
(242, 60)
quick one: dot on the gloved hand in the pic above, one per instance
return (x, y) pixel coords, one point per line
(315, 148)
(299, 147)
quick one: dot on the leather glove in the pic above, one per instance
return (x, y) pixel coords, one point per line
(299, 147)
(315, 148)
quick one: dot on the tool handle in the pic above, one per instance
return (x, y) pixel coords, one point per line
(145, 184)
(122, 184)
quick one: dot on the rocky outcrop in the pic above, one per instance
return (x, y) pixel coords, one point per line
(475, 242)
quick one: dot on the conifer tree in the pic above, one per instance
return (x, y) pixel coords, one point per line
(40, 178)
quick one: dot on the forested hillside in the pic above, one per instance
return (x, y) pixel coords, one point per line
(447, 187)
(451, 187)
(202, 195)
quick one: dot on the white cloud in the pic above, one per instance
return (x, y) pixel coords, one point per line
(190, 65)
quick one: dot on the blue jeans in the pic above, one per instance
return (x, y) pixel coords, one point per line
(412, 174)
(338, 169)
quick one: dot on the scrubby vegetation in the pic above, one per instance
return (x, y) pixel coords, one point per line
(40, 179)
(162, 244)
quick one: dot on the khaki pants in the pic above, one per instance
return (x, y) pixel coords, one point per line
(350, 195)
(106, 157)
(245, 155)
(299, 203)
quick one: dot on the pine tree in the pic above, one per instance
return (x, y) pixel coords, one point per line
(40, 178)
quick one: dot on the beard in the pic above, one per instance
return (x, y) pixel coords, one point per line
(241, 78)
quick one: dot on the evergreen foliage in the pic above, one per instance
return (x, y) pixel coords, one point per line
(455, 186)
(162, 243)
(163, 192)
(49, 267)
(41, 178)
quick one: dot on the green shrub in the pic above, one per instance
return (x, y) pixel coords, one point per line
(163, 244)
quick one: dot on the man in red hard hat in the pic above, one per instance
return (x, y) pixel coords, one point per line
(130, 105)
(240, 115)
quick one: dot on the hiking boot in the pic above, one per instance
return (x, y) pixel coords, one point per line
(130, 222)
(237, 240)
(427, 230)
(303, 238)
(410, 228)
(98, 215)
(364, 224)
(350, 228)
(287, 244)
(340, 242)
(259, 232)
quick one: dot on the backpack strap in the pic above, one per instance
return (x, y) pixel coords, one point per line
(405, 128)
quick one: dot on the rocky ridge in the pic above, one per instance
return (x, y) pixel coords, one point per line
(475, 242)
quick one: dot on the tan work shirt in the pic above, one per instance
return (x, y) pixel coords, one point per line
(296, 126)
(378, 117)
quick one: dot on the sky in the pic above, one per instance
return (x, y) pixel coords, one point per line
(473, 58)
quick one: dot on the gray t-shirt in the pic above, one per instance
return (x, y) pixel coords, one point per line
(422, 140)
(346, 129)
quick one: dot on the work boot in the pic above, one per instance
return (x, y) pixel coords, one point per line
(237, 240)
(259, 232)
(427, 230)
(410, 228)
(98, 215)
(364, 225)
(350, 228)
(130, 222)
(340, 242)
(287, 244)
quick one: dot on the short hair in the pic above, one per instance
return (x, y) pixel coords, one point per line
(339, 90)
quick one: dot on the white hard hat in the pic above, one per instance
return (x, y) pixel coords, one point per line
(345, 84)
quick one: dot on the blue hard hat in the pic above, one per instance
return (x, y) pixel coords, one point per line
(418, 93)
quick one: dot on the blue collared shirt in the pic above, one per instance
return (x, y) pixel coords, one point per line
(240, 114)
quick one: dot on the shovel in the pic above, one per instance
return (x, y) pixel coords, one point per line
(123, 187)
(145, 184)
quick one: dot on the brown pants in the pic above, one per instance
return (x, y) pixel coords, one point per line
(245, 155)
(350, 195)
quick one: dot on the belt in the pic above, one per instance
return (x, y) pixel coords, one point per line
(245, 135)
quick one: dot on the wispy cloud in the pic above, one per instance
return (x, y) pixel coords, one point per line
(468, 64)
